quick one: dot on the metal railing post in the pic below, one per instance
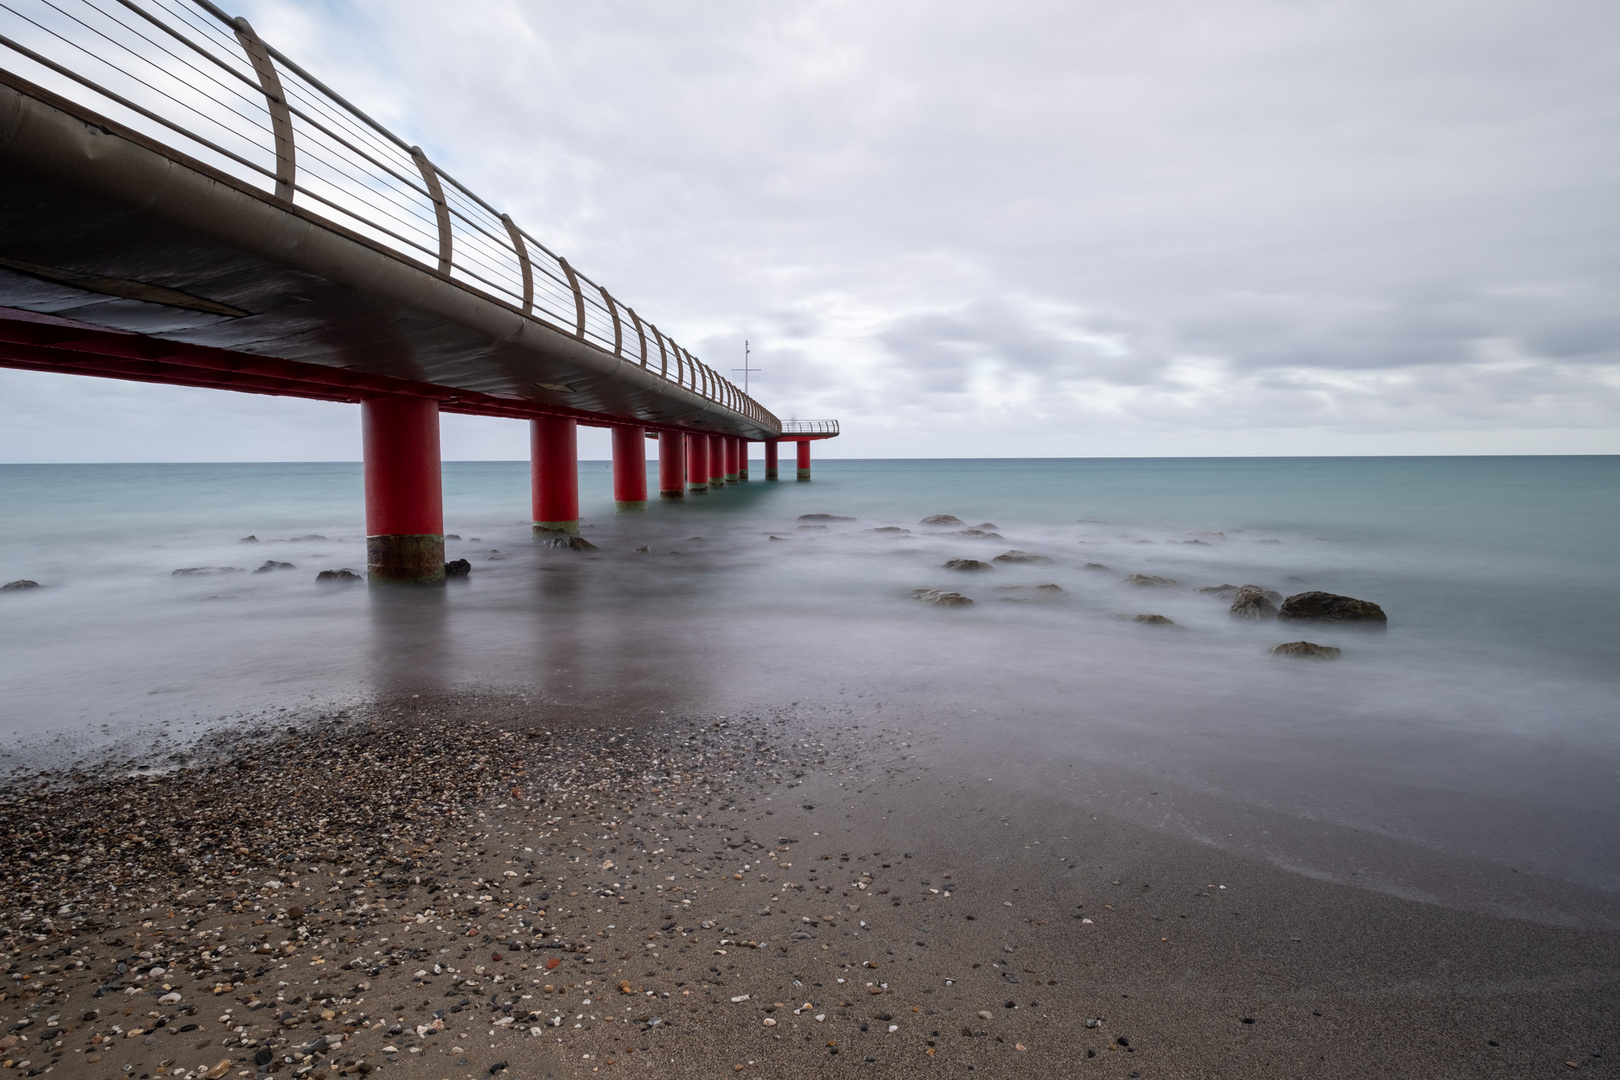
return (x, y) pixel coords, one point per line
(276, 101)
(640, 333)
(618, 329)
(663, 355)
(579, 298)
(527, 269)
(441, 209)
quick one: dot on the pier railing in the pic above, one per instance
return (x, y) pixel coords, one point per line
(189, 75)
(809, 427)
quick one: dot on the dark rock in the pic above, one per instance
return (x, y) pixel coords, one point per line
(940, 598)
(988, 526)
(1195, 543)
(271, 564)
(552, 538)
(205, 571)
(306, 537)
(648, 550)
(457, 568)
(579, 543)
(248, 540)
(1150, 579)
(1306, 650)
(1251, 602)
(1153, 620)
(824, 517)
(895, 529)
(20, 583)
(821, 527)
(774, 537)
(334, 577)
(978, 532)
(966, 564)
(1016, 556)
(1218, 590)
(1328, 607)
(942, 519)
(1095, 566)
(451, 536)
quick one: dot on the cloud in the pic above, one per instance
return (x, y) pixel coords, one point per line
(1086, 226)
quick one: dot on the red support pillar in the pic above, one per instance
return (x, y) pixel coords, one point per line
(404, 490)
(554, 473)
(732, 468)
(717, 461)
(629, 468)
(804, 459)
(742, 459)
(697, 463)
(770, 459)
(671, 465)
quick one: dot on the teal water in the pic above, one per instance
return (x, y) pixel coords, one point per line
(1484, 725)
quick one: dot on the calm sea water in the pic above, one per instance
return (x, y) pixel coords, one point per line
(1481, 730)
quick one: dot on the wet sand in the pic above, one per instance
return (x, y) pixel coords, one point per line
(489, 884)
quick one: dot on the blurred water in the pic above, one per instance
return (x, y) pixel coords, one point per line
(1481, 726)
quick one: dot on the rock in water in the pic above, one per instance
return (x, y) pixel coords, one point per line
(942, 519)
(248, 540)
(1016, 556)
(457, 568)
(271, 564)
(1094, 566)
(1153, 620)
(1328, 607)
(1306, 650)
(966, 564)
(336, 577)
(20, 583)
(895, 529)
(824, 517)
(940, 598)
(1251, 602)
(205, 571)
(1150, 579)
(1217, 590)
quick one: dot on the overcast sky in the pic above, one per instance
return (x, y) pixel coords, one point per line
(1012, 229)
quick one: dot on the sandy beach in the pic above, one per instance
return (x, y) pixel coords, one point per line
(482, 884)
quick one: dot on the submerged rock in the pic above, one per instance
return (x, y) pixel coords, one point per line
(891, 529)
(457, 568)
(271, 564)
(821, 527)
(1151, 579)
(1153, 620)
(337, 577)
(942, 519)
(987, 526)
(1251, 602)
(451, 536)
(978, 532)
(940, 598)
(1096, 566)
(248, 540)
(1016, 556)
(775, 537)
(649, 551)
(1031, 594)
(1217, 590)
(966, 564)
(559, 540)
(205, 571)
(824, 517)
(1307, 650)
(1330, 607)
(20, 583)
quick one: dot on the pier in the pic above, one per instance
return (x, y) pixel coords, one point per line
(181, 203)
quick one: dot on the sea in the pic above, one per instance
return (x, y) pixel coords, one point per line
(1468, 754)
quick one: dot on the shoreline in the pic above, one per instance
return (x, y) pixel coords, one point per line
(687, 886)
